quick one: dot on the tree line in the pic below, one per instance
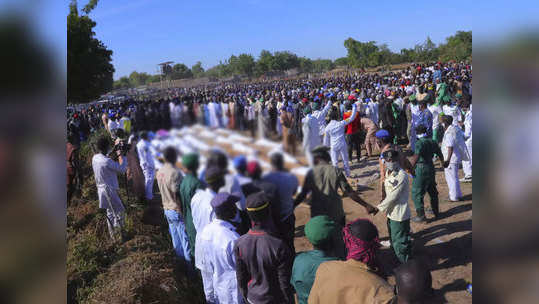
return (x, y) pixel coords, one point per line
(360, 55)
(90, 69)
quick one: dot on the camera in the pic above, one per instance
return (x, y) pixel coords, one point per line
(122, 144)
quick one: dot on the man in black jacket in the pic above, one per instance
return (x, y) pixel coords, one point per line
(263, 261)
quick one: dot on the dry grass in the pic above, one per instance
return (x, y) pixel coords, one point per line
(141, 269)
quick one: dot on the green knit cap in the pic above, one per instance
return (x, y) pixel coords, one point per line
(319, 229)
(190, 161)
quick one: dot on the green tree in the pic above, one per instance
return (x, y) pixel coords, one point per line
(137, 79)
(197, 70)
(343, 61)
(285, 60)
(89, 67)
(374, 59)
(322, 65)
(231, 66)
(305, 65)
(153, 78)
(212, 72)
(426, 51)
(407, 55)
(245, 64)
(396, 58)
(360, 54)
(180, 71)
(122, 83)
(457, 47)
(90, 6)
(385, 54)
(218, 71)
(226, 69)
(264, 63)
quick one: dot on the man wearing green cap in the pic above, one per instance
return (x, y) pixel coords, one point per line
(424, 181)
(319, 231)
(188, 187)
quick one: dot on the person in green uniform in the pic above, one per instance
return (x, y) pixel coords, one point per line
(395, 204)
(442, 94)
(424, 181)
(323, 182)
(397, 114)
(188, 187)
(384, 142)
(318, 231)
(442, 97)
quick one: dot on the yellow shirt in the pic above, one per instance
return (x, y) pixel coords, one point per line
(397, 190)
(349, 281)
(127, 126)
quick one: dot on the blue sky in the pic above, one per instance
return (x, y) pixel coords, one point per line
(143, 33)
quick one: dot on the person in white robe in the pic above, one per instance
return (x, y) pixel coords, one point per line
(467, 164)
(335, 139)
(214, 110)
(311, 130)
(147, 164)
(451, 149)
(106, 180)
(214, 252)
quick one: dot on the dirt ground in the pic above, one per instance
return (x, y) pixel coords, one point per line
(445, 244)
(143, 269)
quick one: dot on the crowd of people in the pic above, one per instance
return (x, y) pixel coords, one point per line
(235, 228)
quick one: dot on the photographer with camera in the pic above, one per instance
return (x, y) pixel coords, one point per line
(121, 143)
(105, 173)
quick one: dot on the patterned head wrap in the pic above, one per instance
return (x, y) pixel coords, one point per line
(358, 249)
